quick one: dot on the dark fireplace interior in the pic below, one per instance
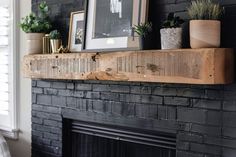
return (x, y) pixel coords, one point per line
(83, 139)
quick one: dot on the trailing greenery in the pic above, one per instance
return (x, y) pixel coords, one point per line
(143, 29)
(55, 34)
(40, 23)
(172, 21)
(205, 10)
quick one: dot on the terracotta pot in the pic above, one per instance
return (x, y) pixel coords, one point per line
(34, 43)
(205, 33)
(171, 38)
(55, 45)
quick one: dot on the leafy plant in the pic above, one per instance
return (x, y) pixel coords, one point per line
(172, 21)
(205, 10)
(55, 34)
(143, 29)
(40, 23)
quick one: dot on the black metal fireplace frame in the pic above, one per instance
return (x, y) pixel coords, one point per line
(114, 132)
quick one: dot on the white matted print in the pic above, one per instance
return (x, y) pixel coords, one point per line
(109, 23)
(76, 33)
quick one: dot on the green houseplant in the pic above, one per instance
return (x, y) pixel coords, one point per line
(35, 27)
(171, 32)
(143, 30)
(205, 25)
(55, 40)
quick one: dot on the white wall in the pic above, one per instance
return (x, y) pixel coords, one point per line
(22, 147)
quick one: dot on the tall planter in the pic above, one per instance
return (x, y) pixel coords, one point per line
(205, 33)
(171, 38)
(34, 43)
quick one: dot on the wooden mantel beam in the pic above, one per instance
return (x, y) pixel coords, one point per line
(189, 66)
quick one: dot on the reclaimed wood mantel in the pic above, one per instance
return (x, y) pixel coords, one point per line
(189, 66)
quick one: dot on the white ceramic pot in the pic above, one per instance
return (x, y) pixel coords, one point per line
(171, 38)
(205, 33)
(34, 43)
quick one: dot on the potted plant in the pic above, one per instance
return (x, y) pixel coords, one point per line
(143, 30)
(35, 27)
(171, 32)
(55, 40)
(205, 27)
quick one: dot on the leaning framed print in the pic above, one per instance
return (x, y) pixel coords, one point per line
(109, 23)
(76, 32)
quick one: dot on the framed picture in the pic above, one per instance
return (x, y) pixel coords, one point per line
(76, 32)
(109, 23)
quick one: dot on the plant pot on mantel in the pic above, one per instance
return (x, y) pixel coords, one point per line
(205, 33)
(55, 45)
(171, 38)
(34, 43)
(145, 42)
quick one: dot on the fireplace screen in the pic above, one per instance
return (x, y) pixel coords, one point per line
(86, 140)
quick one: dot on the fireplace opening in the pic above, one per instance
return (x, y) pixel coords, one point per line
(83, 139)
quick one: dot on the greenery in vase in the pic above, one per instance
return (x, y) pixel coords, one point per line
(205, 10)
(172, 21)
(40, 23)
(143, 29)
(55, 34)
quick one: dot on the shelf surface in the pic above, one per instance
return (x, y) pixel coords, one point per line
(188, 66)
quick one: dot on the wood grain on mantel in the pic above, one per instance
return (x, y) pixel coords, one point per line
(190, 66)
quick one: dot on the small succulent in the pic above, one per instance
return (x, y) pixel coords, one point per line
(205, 10)
(172, 21)
(143, 29)
(55, 34)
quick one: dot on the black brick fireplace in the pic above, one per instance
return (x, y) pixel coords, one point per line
(199, 118)
(202, 118)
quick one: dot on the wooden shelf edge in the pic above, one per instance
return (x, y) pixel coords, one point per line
(185, 66)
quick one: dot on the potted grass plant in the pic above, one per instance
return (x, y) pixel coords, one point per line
(144, 30)
(171, 32)
(205, 25)
(55, 40)
(35, 27)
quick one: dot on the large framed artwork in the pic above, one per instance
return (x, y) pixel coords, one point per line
(76, 32)
(109, 23)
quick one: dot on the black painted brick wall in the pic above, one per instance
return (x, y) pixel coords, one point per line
(203, 116)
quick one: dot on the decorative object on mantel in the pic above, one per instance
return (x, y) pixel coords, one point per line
(171, 33)
(76, 32)
(189, 66)
(63, 50)
(46, 44)
(36, 26)
(55, 40)
(205, 27)
(110, 24)
(144, 30)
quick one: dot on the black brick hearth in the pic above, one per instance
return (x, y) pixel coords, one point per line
(203, 117)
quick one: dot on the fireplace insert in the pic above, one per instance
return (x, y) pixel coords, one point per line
(83, 139)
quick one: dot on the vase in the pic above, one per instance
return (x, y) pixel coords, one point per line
(55, 45)
(34, 43)
(205, 33)
(145, 42)
(171, 38)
